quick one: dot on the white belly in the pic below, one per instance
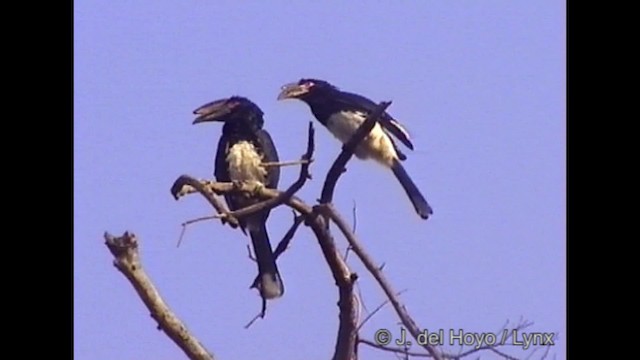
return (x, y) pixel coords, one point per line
(245, 164)
(376, 145)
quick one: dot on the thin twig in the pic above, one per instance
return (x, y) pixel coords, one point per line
(182, 232)
(286, 163)
(202, 218)
(354, 213)
(353, 230)
(127, 261)
(378, 308)
(288, 236)
(192, 221)
(260, 315)
(250, 254)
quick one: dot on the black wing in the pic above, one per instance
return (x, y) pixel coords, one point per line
(221, 169)
(361, 103)
(270, 155)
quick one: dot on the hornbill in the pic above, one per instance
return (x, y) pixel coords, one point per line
(243, 150)
(342, 113)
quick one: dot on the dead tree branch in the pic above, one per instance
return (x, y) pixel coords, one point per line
(317, 218)
(347, 332)
(358, 249)
(345, 279)
(179, 189)
(127, 260)
(340, 271)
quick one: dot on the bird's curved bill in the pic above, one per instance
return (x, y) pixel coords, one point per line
(292, 91)
(213, 111)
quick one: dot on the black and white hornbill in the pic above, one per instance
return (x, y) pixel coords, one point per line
(342, 113)
(243, 149)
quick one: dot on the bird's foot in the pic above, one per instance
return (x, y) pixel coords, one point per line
(257, 188)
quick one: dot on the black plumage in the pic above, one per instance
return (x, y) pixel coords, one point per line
(243, 149)
(342, 113)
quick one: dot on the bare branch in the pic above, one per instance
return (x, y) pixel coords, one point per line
(260, 315)
(347, 332)
(250, 254)
(127, 261)
(178, 190)
(182, 232)
(346, 340)
(288, 236)
(347, 302)
(378, 308)
(338, 166)
(286, 163)
(412, 327)
(193, 221)
(353, 230)
(347, 335)
(354, 213)
(202, 218)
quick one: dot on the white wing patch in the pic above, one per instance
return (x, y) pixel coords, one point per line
(245, 164)
(376, 145)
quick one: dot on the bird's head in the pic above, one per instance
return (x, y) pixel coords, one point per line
(306, 89)
(236, 109)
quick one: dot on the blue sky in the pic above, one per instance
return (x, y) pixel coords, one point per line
(479, 85)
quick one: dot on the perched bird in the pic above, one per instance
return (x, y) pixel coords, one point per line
(243, 150)
(342, 113)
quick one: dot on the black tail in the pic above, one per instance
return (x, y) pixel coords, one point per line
(419, 202)
(268, 282)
